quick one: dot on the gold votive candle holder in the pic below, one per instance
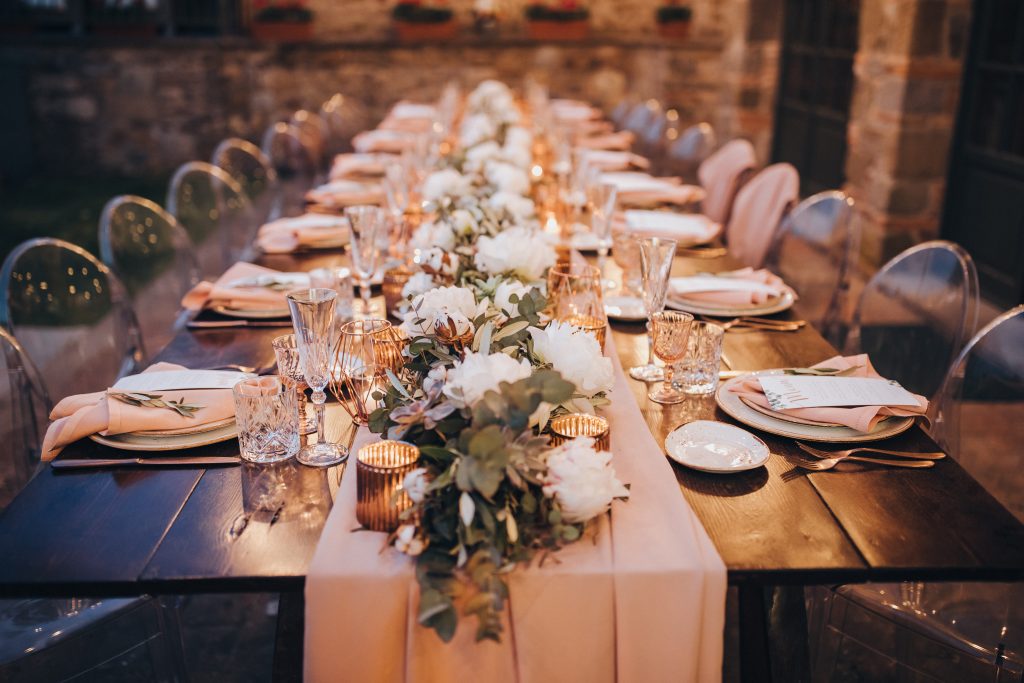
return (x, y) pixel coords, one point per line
(394, 281)
(380, 469)
(567, 427)
(590, 325)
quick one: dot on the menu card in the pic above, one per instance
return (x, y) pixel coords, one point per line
(801, 391)
(181, 379)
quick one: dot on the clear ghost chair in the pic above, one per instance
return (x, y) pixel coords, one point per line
(641, 115)
(24, 406)
(686, 153)
(313, 134)
(155, 260)
(916, 313)
(621, 111)
(722, 175)
(814, 251)
(71, 313)
(251, 169)
(345, 117)
(950, 631)
(296, 169)
(758, 211)
(651, 139)
(215, 213)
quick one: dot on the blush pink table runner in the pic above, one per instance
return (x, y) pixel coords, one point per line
(642, 600)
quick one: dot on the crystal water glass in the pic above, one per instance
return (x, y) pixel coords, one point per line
(267, 418)
(366, 223)
(313, 319)
(339, 279)
(602, 199)
(289, 368)
(671, 332)
(697, 372)
(656, 256)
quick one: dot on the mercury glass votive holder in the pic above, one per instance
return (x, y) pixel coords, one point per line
(394, 281)
(567, 427)
(590, 325)
(380, 469)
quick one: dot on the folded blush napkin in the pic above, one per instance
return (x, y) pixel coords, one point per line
(744, 287)
(614, 160)
(77, 417)
(860, 418)
(285, 235)
(393, 141)
(621, 140)
(369, 164)
(341, 193)
(642, 189)
(246, 286)
(571, 111)
(685, 228)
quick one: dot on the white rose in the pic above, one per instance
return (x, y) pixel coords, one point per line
(476, 374)
(507, 178)
(415, 484)
(446, 183)
(417, 284)
(504, 292)
(519, 208)
(517, 250)
(446, 305)
(576, 356)
(433, 234)
(582, 480)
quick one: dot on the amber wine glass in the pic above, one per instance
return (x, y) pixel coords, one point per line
(670, 331)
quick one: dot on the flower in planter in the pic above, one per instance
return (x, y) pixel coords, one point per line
(565, 10)
(673, 12)
(286, 11)
(414, 12)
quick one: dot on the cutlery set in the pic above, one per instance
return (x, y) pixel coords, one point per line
(818, 460)
(751, 324)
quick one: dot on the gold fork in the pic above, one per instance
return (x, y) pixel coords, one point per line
(828, 463)
(935, 455)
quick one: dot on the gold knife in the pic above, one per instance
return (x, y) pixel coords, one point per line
(83, 463)
(226, 324)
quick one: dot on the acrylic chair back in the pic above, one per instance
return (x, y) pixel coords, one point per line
(296, 168)
(344, 117)
(251, 169)
(215, 212)
(916, 313)
(312, 133)
(814, 251)
(758, 211)
(24, 405)
(156, 261)
(641, 116)
(688, 151)
(722, 174)
(72, 315)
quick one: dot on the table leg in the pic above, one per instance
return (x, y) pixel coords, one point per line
(288, 640)
(773, 634)
(755, 660)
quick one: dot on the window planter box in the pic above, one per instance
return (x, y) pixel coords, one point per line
(281, 31)
(425, 31)
(547, 30)
(674, 30)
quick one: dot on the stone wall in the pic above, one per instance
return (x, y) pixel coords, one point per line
(908, 70)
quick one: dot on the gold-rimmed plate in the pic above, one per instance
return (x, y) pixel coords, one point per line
(774, 305)
(171, 442)
(251, 313)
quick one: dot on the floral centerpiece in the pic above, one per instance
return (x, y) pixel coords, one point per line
(563, 20)
(673, 19)
(281, 21)
(484, 373)
(415, 21)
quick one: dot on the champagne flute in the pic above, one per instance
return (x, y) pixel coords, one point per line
(365, 225)
(603, 197)
(671, 332)
(656, 255)
(313, 319)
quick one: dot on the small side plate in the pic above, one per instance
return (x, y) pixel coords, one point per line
(251, 313)
(716, 447)
(625, 308)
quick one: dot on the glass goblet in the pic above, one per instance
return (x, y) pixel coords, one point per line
(313, 319)
(656, 255)
(366, 223)
(602, 199)
(289, 367)
(671, 332)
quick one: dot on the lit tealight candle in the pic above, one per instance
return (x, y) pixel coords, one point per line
(591, 325)
(567, 427)
(380, 469)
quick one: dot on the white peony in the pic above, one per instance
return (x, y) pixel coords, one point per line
(518, 250)
(504, 292)
(476, 129)
(418, 284)
(508, 178)
(476, 374)
(519, 138)
(520, 157)
(415, 484)
(582, 480)
(519, 209)
(576, 356)
(446, 183)
(445, 305)
(478, 156)
(431, 234)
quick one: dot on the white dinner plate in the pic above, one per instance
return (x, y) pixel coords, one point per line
(775, 305)
(734, 407)
(716, 447)
(584, 241)
(625, 308)
(171, 442)
(251, 313)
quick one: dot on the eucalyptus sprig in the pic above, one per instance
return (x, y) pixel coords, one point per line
(141, 400)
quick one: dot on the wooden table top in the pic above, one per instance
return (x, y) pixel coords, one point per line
(254, 528)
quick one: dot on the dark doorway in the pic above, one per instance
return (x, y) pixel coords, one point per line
(985, 193)
(819, 40)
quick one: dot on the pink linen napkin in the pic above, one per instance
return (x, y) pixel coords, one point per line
(220, 293)
(759, 208)
(77, 417)
(285, 235)
(348, 165)
(621, 140)
(685, 228)
(860, 418)
(614, 160)
(747, 297)
(720, 173)
(408, 125)
(573, 111)
(393, 141)
(341, 193)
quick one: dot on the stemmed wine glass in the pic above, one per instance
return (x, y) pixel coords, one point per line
(602, 207)
(397, 191)
(671, 332)
(365, 225)
(313, 319)
(656, 255)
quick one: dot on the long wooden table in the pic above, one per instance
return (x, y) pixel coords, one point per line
(174, 531)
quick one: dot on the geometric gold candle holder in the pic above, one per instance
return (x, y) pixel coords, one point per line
(590, 325)
(380, 469)
(567, 427)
